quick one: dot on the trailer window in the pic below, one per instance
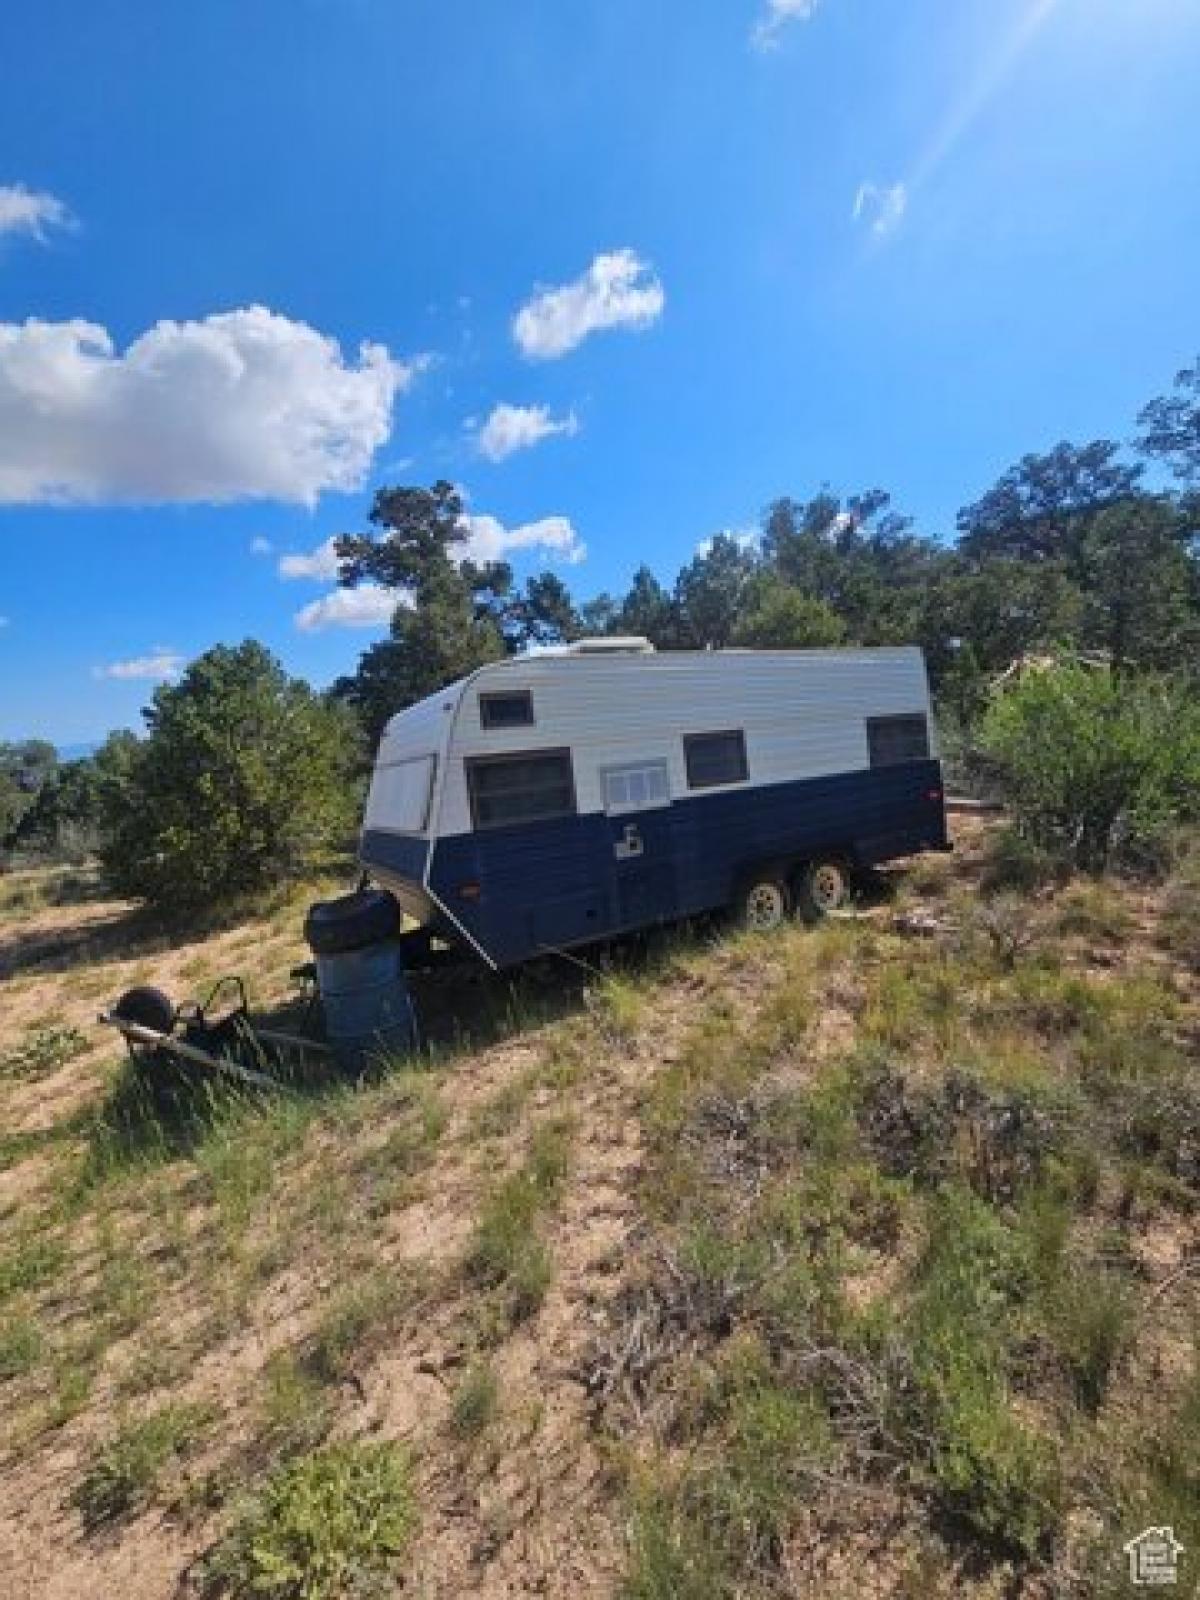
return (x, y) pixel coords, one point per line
(400, 795)
(715, 758)
(520, 788)
(639, 786)
(513, 710)
(894, 741)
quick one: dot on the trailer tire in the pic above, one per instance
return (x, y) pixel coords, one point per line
(822, 887)
(351, 922)
(765, 902)
(147, 1007)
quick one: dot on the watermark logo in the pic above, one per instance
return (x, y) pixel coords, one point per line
(1154, 1558)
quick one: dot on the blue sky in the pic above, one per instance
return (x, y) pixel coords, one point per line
(798, 242)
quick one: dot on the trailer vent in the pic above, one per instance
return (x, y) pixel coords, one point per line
(632, 645)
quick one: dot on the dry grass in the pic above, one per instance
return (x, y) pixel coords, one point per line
(839, 1261)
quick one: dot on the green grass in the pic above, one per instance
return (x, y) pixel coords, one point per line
(618, 1005)
(359, 1318)
(34, 1261)
(474, 1402)
(21, 1345)
(326, 1526)
(125, 1472)
(1178, 929)
(972, 1143)
(506, 1253)
(296, 1411)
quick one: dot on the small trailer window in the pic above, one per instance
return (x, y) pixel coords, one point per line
(893, 741)
(639, 786)
(715, 758)
(513, 710)
(521, 788)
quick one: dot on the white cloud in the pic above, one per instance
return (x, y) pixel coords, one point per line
(368, 606)
(243, 405)
(512, 428)
(617, 290)
(4, 622)
(320, 563)
(162, 663)
(260, 546)
(489, 540)
(29, 211)
(881, 207)
(777, 15)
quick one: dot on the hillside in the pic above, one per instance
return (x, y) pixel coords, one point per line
(855, 1260)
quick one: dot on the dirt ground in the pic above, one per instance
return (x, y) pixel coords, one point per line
(183, 1278)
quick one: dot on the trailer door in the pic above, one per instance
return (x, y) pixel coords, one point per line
(637, 803)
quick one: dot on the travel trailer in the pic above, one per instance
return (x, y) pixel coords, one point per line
(555, 799)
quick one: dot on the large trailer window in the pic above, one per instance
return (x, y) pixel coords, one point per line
(400, 795)
(894, 741)
(513, 710)
(715, 758)
(520, 788)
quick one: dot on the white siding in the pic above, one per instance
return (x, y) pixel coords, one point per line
(803, 712)
(419, 733)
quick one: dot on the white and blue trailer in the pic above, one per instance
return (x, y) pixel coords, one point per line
(555, 799)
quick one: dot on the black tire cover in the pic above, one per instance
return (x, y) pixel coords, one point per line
(351, 922)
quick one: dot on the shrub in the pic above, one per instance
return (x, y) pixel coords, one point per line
(43, 1050)
(988, 1469)
(1097, 767)
(245, 778)
(323, 1526)
(125, 1471)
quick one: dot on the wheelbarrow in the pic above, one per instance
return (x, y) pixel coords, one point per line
(217, 1036)
(356, 983)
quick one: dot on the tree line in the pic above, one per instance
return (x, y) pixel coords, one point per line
(246, 775)
(1070, 549)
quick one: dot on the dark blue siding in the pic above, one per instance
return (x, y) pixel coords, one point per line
(547, 885)
(397, 853)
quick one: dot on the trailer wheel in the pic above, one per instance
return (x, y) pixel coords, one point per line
(765, 903)
(822, 886)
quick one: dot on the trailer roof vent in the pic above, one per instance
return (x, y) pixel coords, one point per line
(632, 645)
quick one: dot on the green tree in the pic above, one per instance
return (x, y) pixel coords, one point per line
(1041, 509)
(543, 615)
(648, 612)
(452, 614)
(1137, 583)
(24, 767)
(66, 819)
(1002, 608)
(857, 556)
(709, 593)
(244, 779)
(1171, 428)
(777, 616)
